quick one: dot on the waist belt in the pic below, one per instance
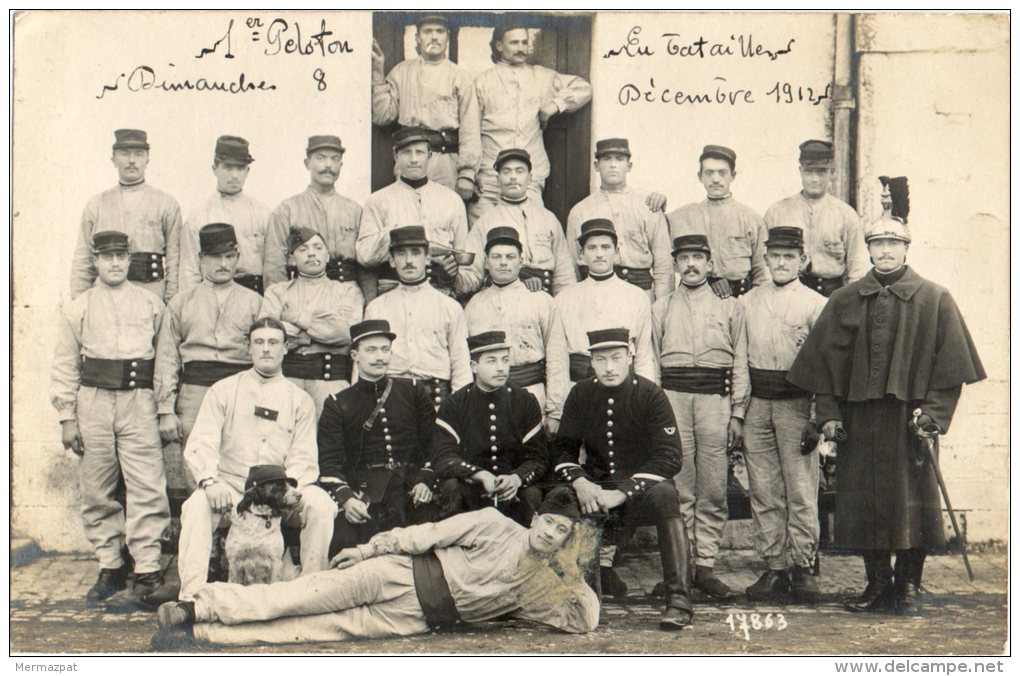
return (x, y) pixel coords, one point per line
(580, 367)
(525, 375)
(639, 277)
(766, 384)
(337, 268)
(544, 275)
(208, 373)
(823, 285)
(146, 266)
(253, 282)
(318, 366)
(433, 591)
(696, 379)
(446, 140)
(737, 286)
(117, 374)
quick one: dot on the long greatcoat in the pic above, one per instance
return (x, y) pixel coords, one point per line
(875, 354)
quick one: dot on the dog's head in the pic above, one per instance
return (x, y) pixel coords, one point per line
(269, 487)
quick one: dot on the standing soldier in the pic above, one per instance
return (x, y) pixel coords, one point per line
(735, 232)
(317, 313)
(150, 218)
(374, 443)
(103, 381)
(702, 347)
(321, 208)
(538, 349)
(644, 258)
(631, 446)
(516, 101)
(203, 337)
(601, 299)
(250, 218)
(883, 347)
(832, 229)
(546, 265)
(432, 92)
(783, 475)
(411, 199)
(431, 342)
(489, 444)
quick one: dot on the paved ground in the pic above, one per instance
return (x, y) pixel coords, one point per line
(48, 615)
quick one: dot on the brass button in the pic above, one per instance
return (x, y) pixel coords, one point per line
(492, 428)
(610, 402)
(492, 418)
(325, 377)
(493, 438)
(389, 447)
(131, 383)
(133, 374)
(492, 407)
(328, 357)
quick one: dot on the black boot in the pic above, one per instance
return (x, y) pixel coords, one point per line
(676, 574)
(879, 594)
(803, 584)
(110, 581)
(707, 582)
(611, 583)
(908, 581)
(771, 585)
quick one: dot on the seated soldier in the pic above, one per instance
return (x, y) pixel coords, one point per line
(632, 451)
(373, 444)
(470, 568)
(489, 446)
(256, 417)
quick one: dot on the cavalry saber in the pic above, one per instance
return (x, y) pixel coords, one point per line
(931, 444)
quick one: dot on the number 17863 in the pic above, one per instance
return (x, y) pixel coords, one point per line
(748, 622)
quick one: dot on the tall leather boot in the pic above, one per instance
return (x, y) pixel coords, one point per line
(676, 574)
(879, 594)
(908, 581)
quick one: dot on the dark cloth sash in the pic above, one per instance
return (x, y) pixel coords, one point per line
(766, 384)
(117, 374)
(696, 379)
(639, 277)
(433, 591)
(525, 375)
(253, 282)
(544, 275)
(320, 366)
(823, 285)
(580, 367)
(438, 388)
(208, 373)
(738, 287)
(146, 266)
(337, 268)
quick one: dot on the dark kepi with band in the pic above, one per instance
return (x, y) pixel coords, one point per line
(130, 139)
(503, 234)
(691, 243)
(612, 145)
(298, 236)
(217, 238)
(432, 18)
(110, 241)
(606, 338)
(408, 235)
(487, 342)
(232, 149)
(408, 135)
(561, 501)
(327, 141)
(512, 154)
(596, 226)
(785, 235)
(719, 153)
(815, 153)
(261, 474)
(369, 328)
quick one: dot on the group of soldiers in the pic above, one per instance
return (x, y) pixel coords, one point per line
(405, 368)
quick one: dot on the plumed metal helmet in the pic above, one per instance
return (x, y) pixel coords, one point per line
(892, 224)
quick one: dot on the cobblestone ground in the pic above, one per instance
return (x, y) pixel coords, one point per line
(48, 615)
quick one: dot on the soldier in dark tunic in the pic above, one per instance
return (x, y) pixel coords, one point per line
(885, 345)
(489, 446)
(373, 441)
(632, 452)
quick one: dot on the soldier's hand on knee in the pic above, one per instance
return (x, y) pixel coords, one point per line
(347, 558)
(507, 486)
(533, 283)
(655, 201)
(356, 511)
(219, 496)
(552, 425)
(487, 480)
(734, 434)
(721, 288)
(170, 428)
(70, 437)
(611, 499)
(420, 494)
(587, 495)
(546, 112)
(465, 187)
